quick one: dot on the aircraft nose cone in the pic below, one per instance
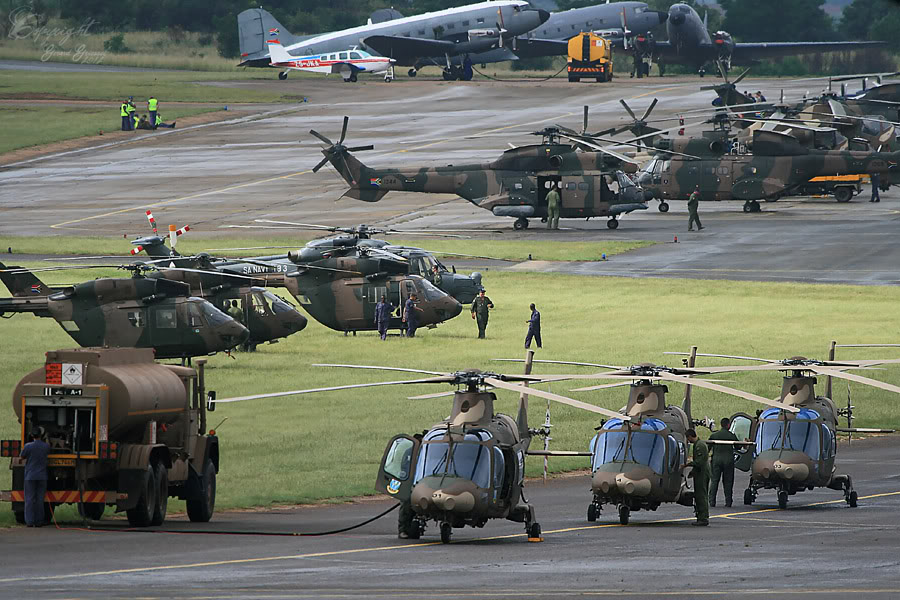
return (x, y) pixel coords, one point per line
(452, 307)
(676, 19)
(298, 322)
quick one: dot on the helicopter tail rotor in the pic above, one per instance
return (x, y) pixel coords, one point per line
(336, 152)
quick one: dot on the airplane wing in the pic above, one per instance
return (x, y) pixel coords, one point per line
(339, 67)
(407, 49)
(534, 48)
(745, 53)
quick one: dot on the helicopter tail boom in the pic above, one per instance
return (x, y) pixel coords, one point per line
(23, 284)
(36, 306)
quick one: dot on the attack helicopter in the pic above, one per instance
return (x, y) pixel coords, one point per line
(469, 468)
(514, 185)
(127, 312)
(637, 456)
(795, 450)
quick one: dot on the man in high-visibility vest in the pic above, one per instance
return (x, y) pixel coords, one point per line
(123, 112)
(159, 123)
(152, 106)
(132, 118)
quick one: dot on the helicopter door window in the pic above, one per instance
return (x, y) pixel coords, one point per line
(583, 186)
(397, 464)
(165, 318)
(499, 471)
(260, 304)
(740, 427)
(674, 455)
(194, 317)
(136, 318)
(828, 442)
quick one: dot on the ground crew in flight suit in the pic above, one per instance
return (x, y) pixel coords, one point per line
(692, 204)
(722, 463)
(700, 472)
(553, 208)
(480, 311)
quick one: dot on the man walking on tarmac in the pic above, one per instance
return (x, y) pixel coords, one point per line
(692, 204)
(700, 472)
(35, 454)
(876, 181)
(722, 463)
(553, 207)
(481, 311)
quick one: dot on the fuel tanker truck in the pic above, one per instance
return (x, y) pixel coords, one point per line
(124, 431)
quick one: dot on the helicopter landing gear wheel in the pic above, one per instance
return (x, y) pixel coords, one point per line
(412, 72)
(613, 223)
(534, 531)
(751, 206)
(593, 513)
(520, 224)
(782, 499)
(624, 513)
(282, 76)
(748, 497)
(851, 499)
(446, 532)
(663, 207)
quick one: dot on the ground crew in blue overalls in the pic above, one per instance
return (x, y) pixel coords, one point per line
(410, 316)
(534, 327)
(383, 312)
(152, 106)
(876, 181)
(126, 119)
(35, 454)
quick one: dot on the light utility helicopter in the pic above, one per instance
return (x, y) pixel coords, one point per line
(795, 450)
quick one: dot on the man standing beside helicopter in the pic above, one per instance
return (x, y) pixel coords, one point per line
(383, 312)
(700, 472)
(722, 463)
(693, 203)
(410, 316)
(553, 207)
(480, 311)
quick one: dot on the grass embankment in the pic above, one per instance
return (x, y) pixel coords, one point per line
(34, 123)
(314, 447)
(506, 249)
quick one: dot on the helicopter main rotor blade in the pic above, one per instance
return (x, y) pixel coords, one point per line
(429, 396)
(599, 148)
(555, 397)
(857, 378)
(649, 109)
(559, 362)
(325, 389)
(248, 248)
(727, 390)
(767, 360)
(344, 129)
(628, 109)
(293, 224)
(602, 386)
(470, 255)
(379, 368)
(321, 137)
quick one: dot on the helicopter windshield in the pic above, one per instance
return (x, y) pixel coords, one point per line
(800, 433)
(615, 444)
(428, 290)
(469, 459)
(278, 305)
(213, 317)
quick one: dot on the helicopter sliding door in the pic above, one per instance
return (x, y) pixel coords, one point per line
(395, 474)
(574, 195)
(544, 183)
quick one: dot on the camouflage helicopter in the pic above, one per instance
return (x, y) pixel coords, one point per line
(794, 450)
(420, 261)
(637, 455)
(469, 468)
(514, 185)
(121, 312)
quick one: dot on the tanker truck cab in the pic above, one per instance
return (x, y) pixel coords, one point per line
(123, 430)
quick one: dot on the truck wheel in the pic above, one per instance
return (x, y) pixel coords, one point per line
(843, 194)
(92, 510)
(200, 510)
(20, 516)
(142, 514)
(161, 483)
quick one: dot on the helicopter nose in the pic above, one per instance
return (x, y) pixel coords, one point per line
(297, 322)
(463, 502)
(633, 487)
(449, 307)
(793, 471)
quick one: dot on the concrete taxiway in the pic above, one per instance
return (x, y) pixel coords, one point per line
(259, 166)
(817, 547)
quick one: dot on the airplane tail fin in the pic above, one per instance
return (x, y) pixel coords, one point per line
(255, 27)
(277, 53)
(23, 284)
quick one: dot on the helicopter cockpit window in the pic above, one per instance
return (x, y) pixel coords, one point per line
(430, 292)
(260, 304)
(213, 317)
(648, 448)
(429, 263)
(278, 305)
(165, 318)
(624, 180)
(801, 433)
(195, 319)
(469, 458)
(645, 447)
(397, 464)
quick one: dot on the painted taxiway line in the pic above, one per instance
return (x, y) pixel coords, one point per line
(304, 556)
(288, 176)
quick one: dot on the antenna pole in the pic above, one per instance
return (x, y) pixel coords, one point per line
(523, 397)
(686, 405)
(828, 380)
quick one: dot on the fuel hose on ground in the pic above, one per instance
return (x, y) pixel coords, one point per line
(236, 532)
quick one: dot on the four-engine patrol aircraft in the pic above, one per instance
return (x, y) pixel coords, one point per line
(346, 63)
